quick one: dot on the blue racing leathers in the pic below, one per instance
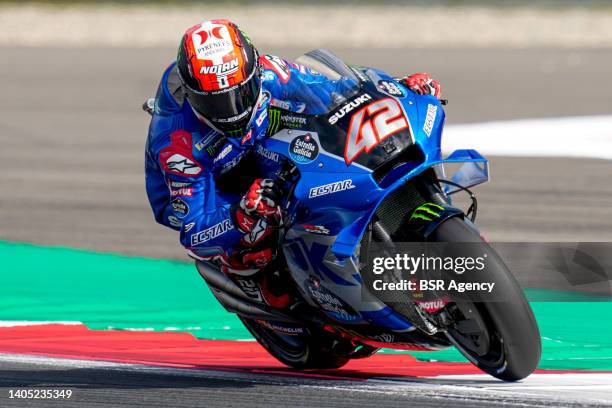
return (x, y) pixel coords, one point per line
(185, 158)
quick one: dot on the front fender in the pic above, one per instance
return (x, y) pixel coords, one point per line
(426, 218)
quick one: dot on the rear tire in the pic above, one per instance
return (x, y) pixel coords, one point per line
(302, 351)
(512, 335)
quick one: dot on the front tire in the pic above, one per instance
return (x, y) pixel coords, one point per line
(510, 346)
(303, 351)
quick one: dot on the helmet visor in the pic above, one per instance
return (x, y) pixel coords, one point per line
(228, 108)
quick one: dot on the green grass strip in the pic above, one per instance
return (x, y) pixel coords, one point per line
(113, 291)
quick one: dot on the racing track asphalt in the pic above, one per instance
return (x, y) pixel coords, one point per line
(72, 137)
(95, 384)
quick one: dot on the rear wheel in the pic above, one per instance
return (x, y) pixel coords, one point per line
(306, 350)
(500, 337)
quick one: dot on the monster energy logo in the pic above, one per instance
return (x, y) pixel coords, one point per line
(213, 148)
(277, 120)
(234, 133)
(274, 120)
(427, 212)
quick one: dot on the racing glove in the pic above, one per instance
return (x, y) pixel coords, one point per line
(258, 214)
(423, 84)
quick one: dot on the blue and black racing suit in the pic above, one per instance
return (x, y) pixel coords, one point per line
(186, 160)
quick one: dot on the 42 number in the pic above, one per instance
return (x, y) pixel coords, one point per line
(371, 125)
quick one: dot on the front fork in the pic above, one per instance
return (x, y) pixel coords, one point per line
(419, 225)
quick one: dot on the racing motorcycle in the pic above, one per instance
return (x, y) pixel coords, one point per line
(365, 168)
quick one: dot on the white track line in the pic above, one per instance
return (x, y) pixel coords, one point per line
(586, 380)
(19, 323)
(585, 136)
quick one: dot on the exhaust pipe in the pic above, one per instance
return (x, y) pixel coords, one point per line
(214, 277)
(245, 309)
(233, 298)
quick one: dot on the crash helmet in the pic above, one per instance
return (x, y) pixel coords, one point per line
(220, 74)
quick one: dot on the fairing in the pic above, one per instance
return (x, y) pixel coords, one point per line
(334, 200)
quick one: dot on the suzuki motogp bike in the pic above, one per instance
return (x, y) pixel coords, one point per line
(365, 168)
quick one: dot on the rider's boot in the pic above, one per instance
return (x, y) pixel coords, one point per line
(275, 286)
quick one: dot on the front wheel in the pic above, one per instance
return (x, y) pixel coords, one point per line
(500, 337)
(302, 351)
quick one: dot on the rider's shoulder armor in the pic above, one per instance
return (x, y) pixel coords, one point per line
(275, 68)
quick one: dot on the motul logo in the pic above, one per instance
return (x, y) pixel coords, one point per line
(225, 68)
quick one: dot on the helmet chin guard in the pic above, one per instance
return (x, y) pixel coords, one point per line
(231, 133)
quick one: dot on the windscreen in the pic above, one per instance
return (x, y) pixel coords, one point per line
(331, 84)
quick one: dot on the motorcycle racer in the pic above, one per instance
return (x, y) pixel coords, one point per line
(210, 108)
